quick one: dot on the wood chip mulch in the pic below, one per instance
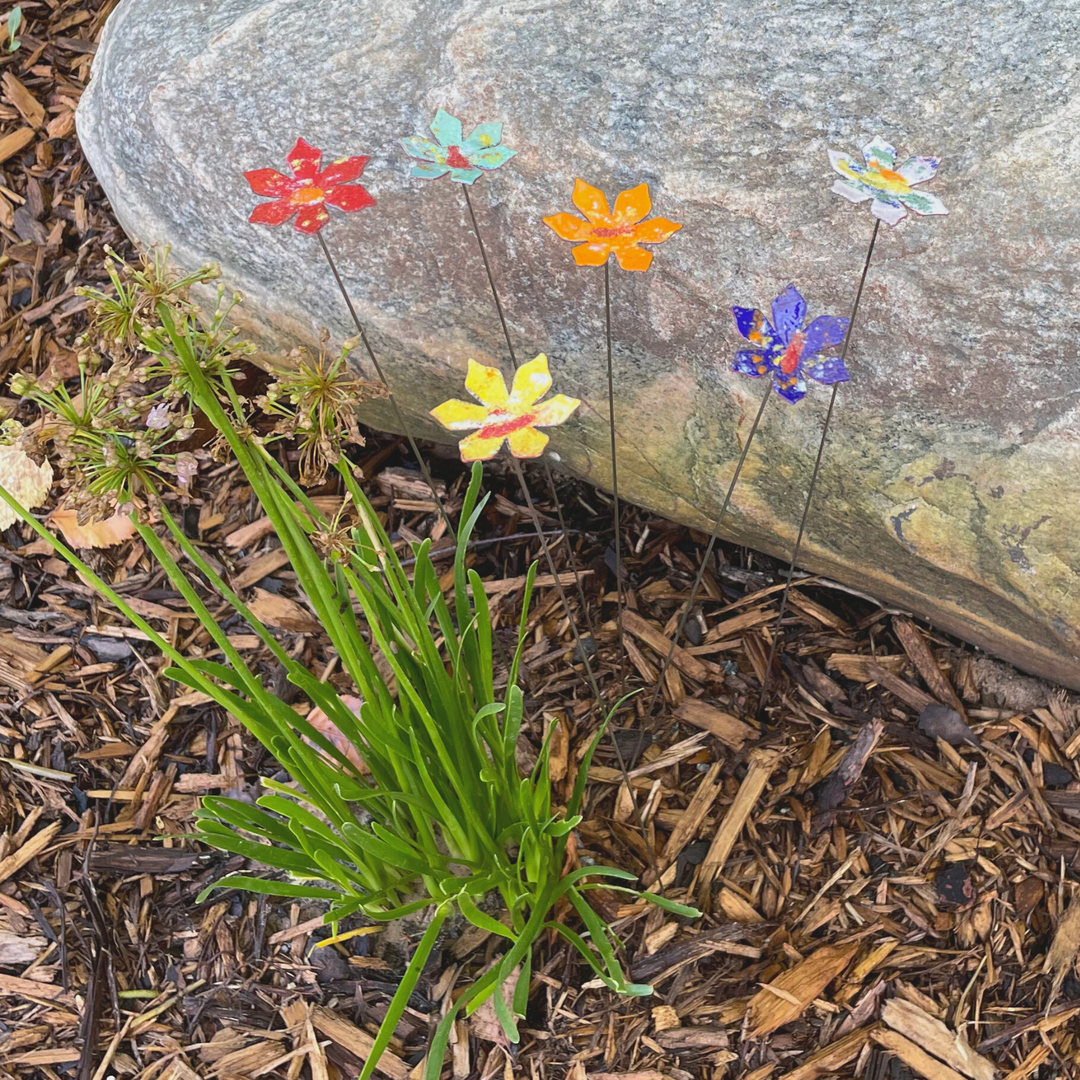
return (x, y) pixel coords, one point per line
(888, 862)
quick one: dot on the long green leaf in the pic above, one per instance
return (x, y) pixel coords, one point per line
(404, 990)
(268, 887)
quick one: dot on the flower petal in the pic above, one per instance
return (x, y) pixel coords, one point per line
(527, 442)
(752, 363)
(270, 182)
(304, 160)
(568, 227)
(460, 415)
(428, 170)
(483, 135)
(424, 149)
(592, 203)
(630, 256)
(350, 197)
(878, 151)
(842, 163)
(557, 409)
(594, 254)
(753, 326)
(487, 385)
(446, 128)
(490, 157)
(465, 176)
(788, 313)
(475, 448)
(829, 371)
(922, 202)
(825, 332)
(633, 205)
(917, 170)
(312, 218)
(887, 212)
(655, 231)
(851, 191)
(272, 213)
(531, 382)
(344, 171)
(789, 389)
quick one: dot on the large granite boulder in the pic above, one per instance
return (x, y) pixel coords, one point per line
(951, 485)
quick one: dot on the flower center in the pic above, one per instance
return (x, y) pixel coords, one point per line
(890, 180)
(607, 232)
(502, 424)
(307, 194)
(790, 360)
(456, 159)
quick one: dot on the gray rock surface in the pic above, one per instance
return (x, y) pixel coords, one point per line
(952, 482)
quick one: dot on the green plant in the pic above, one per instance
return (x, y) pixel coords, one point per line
(14, 21)
(439, 818)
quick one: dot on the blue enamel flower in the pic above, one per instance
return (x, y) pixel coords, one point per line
(786, 349)
(464, 159)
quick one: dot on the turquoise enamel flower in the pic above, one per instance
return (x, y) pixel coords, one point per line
(464, 159)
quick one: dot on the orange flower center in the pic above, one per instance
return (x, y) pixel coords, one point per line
(504, 424)
(307, 194)
(456, 159)
(607, 232)
(892, 177)
(790, 360)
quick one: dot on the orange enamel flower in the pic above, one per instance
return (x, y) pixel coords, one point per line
(620, 231)
(512, 417)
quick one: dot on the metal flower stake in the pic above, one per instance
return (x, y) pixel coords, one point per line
(514, 417)
(605, 232)
(785, 351)
(465, 161)
(890, 187)
(306, 196)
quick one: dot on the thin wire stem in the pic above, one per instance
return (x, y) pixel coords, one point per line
(709, 549)
(390, 394)
(616, 512)
(589, 673)
(487, 270)
(566, 532)
(549, 475)
(766, 682)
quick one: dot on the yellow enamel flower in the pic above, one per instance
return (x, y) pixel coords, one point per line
(513, 417)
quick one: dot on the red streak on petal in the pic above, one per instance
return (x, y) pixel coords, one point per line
(616, 230)
(456, 159)
(501, 428)
(790, 360)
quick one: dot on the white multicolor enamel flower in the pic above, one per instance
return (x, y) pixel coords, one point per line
(888, 184)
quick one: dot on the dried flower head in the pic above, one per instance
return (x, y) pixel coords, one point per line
(317, 405)
(120, 318)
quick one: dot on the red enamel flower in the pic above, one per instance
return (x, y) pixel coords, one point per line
(309, 191)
